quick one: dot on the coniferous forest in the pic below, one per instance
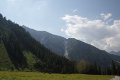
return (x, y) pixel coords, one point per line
(25, 53)
(19, 51)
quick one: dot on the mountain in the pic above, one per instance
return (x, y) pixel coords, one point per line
(73, 49)
(19, 51)
(115, 53)
(53, 42)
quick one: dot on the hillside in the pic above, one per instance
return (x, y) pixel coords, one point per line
(5, 61)
(53, 42)
(19, 51)
(73, 49)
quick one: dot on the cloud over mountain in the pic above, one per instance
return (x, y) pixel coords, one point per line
(102, 33)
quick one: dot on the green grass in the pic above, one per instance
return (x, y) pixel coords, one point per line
(45, 76)
(5, 62)
(31, 59)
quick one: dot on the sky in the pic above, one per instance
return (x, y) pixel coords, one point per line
(96, 22)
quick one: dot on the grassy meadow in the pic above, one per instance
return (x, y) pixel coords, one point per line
(4, 75)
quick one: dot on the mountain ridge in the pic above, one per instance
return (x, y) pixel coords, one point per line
(72, 49)
(25, 53)
(115, 53)
(20, 50)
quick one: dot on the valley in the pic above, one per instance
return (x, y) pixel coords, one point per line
(59, 40)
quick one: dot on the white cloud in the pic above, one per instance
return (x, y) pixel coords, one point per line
(106, 16)
(96, 32)
(75, 10)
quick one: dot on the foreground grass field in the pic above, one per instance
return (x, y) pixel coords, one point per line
(46, 76)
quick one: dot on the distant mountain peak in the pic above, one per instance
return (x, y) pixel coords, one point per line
(115, 53)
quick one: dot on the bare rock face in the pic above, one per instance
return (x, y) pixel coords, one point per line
(115, 78)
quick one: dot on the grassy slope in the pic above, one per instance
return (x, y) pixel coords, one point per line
(31, 59)
(5, 62)
(45, 76)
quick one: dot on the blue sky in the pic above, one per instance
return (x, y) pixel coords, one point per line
(55, 16)
(46, 14)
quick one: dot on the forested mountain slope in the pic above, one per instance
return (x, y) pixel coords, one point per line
(73, 49)
(22, 52)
